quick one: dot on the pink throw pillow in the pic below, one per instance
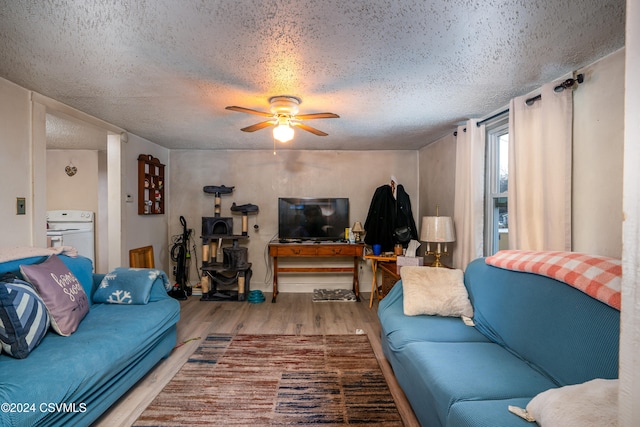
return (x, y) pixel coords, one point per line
(61, 292)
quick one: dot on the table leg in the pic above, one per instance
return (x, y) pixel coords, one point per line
(275, 279)
(356, 281)
(374, 282)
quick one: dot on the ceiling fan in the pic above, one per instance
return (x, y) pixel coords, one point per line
(284, 115)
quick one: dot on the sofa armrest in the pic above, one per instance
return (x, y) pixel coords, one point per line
(97, 278)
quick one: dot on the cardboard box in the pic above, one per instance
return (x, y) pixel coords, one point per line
(408, 260)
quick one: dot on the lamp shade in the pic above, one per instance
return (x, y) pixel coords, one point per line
(283, 132)
(437, 229)
(357, 227)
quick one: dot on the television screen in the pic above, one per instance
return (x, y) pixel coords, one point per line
(312, 218)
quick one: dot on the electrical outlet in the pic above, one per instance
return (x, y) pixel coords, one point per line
(21, 206)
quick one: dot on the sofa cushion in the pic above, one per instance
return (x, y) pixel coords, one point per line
(434, 291)
(445, 373)
(400, 330)
(61, 292)
(488, 413)
(24, 320)
(523, 312)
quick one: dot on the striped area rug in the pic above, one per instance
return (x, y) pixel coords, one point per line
(276, 380)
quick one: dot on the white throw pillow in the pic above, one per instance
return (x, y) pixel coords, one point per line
(590, 404)
(434, 291)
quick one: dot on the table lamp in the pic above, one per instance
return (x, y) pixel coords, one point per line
(357, 230)
(438, 230)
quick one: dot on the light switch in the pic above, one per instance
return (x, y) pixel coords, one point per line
(21, 206)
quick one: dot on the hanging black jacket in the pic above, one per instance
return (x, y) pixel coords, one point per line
(386, 214)
(404, 216)
(380, 219)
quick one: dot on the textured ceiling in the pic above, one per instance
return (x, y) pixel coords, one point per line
(400, 73)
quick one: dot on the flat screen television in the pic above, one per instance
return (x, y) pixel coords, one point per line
(306, 218)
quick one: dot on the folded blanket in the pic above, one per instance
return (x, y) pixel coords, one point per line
(129, 285)
(21, 252)
(597, 276)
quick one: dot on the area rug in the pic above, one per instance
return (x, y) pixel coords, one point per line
(322, 295)
(276, 380)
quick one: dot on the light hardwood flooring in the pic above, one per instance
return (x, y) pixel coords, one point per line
(293, 313)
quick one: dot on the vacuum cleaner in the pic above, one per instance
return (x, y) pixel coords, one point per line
(181, 256)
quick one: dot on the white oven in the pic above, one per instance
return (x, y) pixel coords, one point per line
(72, 228)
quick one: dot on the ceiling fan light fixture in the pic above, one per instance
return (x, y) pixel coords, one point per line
(284, 117)
(283, 132)
(285, 104)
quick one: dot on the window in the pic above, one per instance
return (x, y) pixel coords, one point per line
(497, 182)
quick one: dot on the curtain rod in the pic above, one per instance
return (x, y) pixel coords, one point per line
(567, 84)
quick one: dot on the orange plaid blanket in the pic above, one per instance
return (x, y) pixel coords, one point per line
(598, 276)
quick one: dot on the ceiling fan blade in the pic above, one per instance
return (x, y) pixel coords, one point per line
(258, 126)
(317, 116)
(249, 110)
(309, 129)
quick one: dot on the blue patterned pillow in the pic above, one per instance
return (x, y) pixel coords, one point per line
(129, 285)
(24, 320)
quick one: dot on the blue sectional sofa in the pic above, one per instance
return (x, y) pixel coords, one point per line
(532, 333)
(72, 380)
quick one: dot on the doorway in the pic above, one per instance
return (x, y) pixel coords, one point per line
(56, 126)
(76, 173)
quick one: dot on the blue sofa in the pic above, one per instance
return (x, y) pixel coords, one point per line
(71, 381)
(531, 333)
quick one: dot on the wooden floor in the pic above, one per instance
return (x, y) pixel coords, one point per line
(294, 313)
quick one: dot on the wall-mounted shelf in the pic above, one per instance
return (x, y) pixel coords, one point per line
(150, 185)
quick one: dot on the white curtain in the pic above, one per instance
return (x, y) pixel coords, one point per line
(468, 211)
(539, 192)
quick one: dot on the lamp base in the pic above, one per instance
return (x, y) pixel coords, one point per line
(436, 262)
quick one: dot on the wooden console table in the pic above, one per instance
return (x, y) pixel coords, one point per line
(316, 250)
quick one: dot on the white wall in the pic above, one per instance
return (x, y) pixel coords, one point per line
(144, 230)
(79, 191)
(260, 178)
(437, 181)
(15, 164)
(437, 176)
